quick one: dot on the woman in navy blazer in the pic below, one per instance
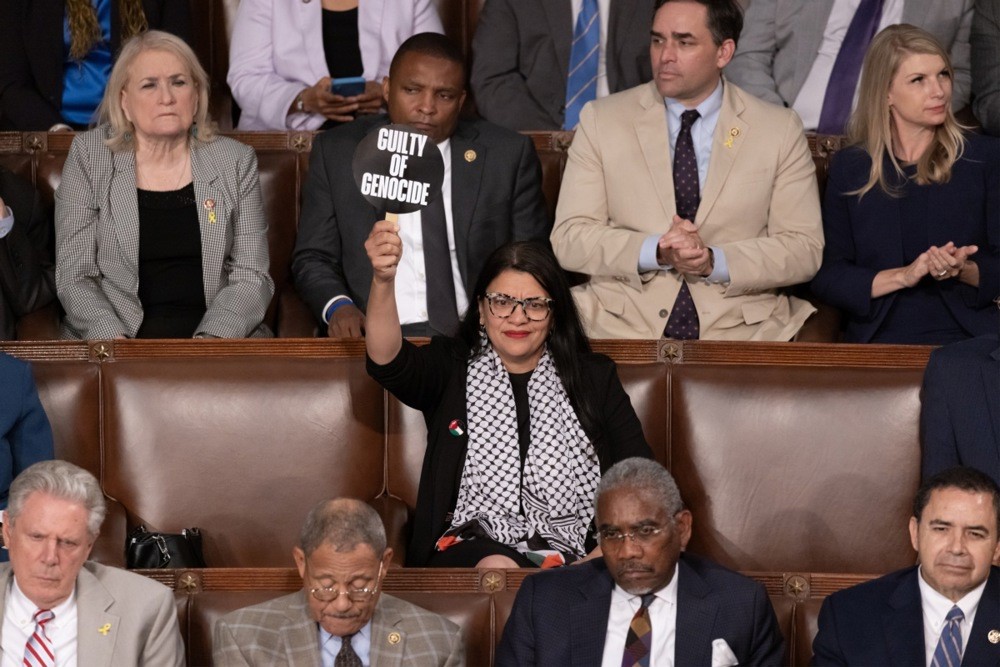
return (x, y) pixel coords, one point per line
(912, 236)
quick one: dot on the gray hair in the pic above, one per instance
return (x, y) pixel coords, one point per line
(645, 476)
(122, 135)
(63, 480)
(343, 523)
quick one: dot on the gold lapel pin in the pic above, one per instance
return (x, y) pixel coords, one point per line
(104, 629)
(733, 133)
(994, 636)
(470, 155)
(394, 637)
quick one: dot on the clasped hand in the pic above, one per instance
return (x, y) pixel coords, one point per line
(940, 263)
(682, 248)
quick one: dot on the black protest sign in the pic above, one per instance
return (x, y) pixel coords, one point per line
(398, 169)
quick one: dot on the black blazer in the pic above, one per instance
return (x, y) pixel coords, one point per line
(560, 617)
(881, 622)
(960, 407)
(432, 379)
(496, 197)
(32, 53)
(27, 276)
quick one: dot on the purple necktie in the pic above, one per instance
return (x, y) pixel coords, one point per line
(683, 321)
(839, 96)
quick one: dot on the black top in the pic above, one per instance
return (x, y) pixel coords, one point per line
(519, 386)
(171, 289)
(432, 379)
(340, 43)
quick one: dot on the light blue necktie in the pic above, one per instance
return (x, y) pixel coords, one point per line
(949, 649)
(581, 84)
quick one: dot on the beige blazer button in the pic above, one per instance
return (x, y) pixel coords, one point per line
(663, 312)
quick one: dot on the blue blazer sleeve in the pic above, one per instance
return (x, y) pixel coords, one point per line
(26, 436)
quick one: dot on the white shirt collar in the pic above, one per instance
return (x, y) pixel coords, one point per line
(24, 609)
(937, 606)
(667, 594)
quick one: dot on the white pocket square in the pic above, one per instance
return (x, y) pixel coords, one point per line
(722, 655)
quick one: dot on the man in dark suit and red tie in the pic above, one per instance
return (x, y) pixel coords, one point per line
(943, 612)
(645, 602)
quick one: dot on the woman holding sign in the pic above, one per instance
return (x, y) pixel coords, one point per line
(522, 417)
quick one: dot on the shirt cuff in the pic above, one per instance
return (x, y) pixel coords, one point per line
(333, 304)
(6, 222)
(720, 272)
(647, 256)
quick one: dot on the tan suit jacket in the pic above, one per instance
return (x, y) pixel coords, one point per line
(759, 204)
(138, 614)
(281, 632)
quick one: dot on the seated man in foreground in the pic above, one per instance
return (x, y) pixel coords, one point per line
(946, 610)
(58, 609)
(340, 616)
(688, 202)
(645, 602)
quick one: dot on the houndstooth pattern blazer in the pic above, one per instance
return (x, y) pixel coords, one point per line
(281, 632)
(97, 240)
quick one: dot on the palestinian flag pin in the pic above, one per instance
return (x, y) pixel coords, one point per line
(456, 428)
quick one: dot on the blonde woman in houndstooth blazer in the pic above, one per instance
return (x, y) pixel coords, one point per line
(160, 231)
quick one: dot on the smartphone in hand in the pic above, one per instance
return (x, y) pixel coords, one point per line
(348, 86)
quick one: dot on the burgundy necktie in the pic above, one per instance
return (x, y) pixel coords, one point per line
(839, 96)
(683, 321)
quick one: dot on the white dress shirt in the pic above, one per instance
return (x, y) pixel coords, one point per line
(662, 617)
(411, 279)
(936, 607)
(603, 8)
(809, 103)
(19, 625)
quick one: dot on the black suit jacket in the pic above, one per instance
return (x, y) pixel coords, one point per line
(521, 54)
(560, 617)
(960, 407)
(496, 197)
(881, 622)
(32, 55)
(27, 278)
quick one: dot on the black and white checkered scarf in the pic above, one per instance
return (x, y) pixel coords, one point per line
(561, 470)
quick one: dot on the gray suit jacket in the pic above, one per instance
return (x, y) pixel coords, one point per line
(781, 38)
(521, 56)
(281, 632)
(97, 240)
(986, 64)
(138, 614)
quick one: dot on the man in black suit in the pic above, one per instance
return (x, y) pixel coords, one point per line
(946, 611)
(598, 613)
(960, 407)
(491, 195)
(27, 278)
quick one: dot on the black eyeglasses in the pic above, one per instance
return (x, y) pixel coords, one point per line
(324, 594)
(535, 308)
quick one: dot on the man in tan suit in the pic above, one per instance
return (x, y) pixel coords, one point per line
(740, 220)
(340, 617)
(58, 609)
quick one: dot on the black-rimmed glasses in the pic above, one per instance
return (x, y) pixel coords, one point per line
(535, 308)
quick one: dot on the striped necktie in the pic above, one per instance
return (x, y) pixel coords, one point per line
(949, 649)
(38, 651)
(639, 641)
(581, 83)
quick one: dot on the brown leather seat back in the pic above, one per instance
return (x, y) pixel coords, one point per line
(806, 626)
(48, 174)
(797, 461)
(240, 447)
(279, 189)
(646, 385)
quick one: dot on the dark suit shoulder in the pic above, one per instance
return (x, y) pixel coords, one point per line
(487, 131)
(867, 595)
(719, 577)
(976, 350)
(11, 368)
(414, 615)
(348, 134)
(591, 576)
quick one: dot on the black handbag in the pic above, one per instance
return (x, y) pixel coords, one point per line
(146, 550)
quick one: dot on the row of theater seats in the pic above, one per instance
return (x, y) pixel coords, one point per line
(778, 450)
(283, 159)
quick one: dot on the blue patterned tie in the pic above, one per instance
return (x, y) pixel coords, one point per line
(683, 323)
(839, 96)
(949, 649)
(581, 84)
